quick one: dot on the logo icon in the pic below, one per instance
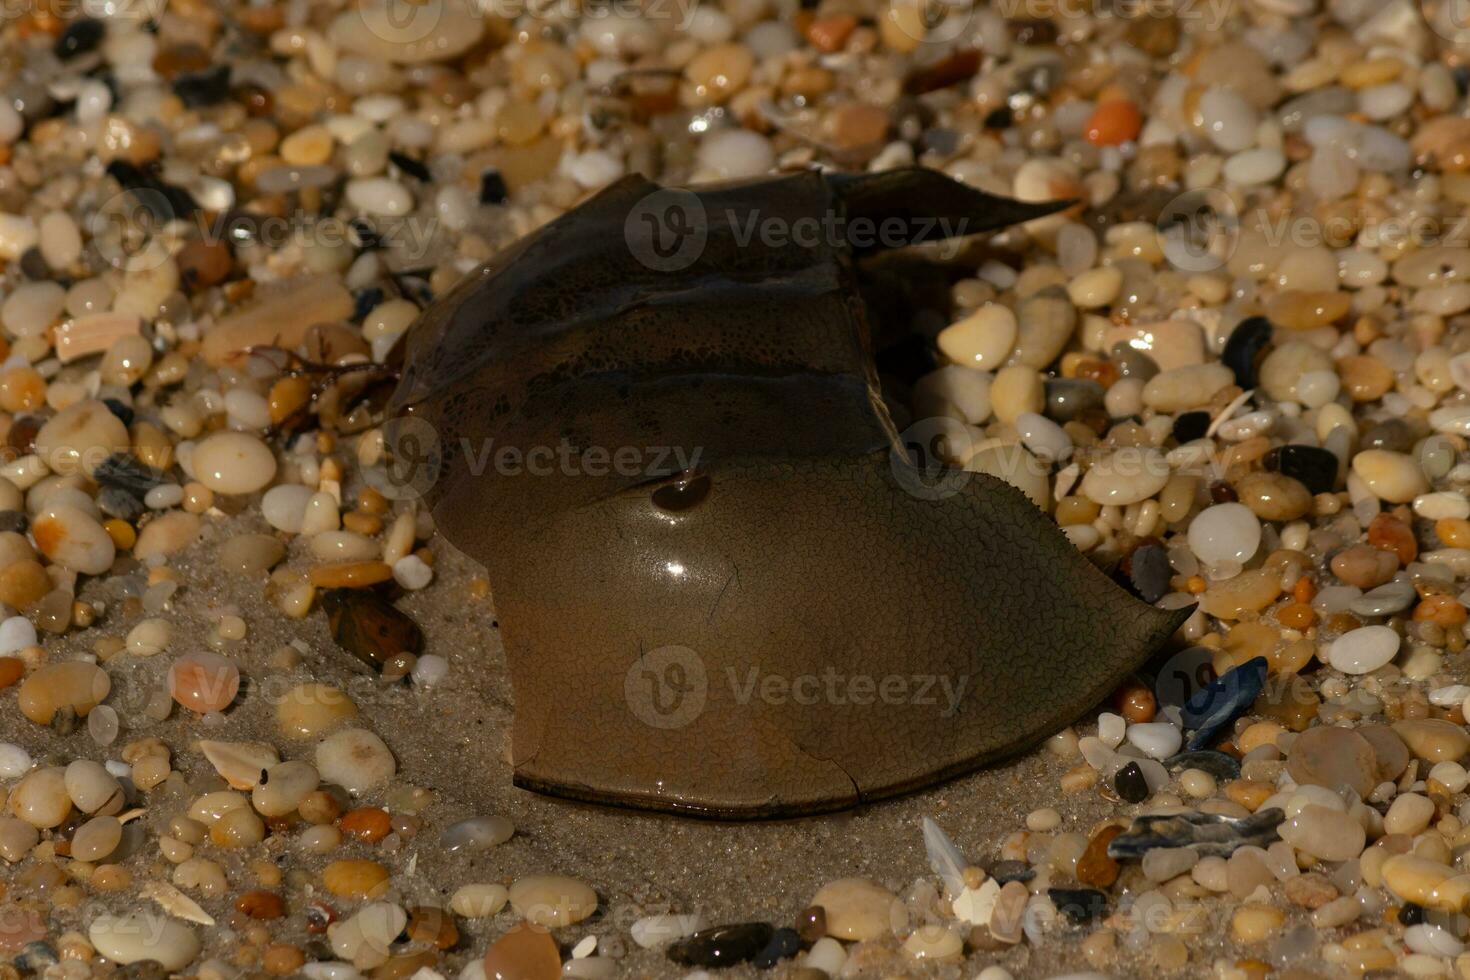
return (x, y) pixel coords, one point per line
(1198, 230)
(415, 459)
(921, 459)
(667, 230)
(666, 688)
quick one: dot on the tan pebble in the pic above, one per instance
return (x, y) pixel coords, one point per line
(1273, 496)
(355, 759)
(285, 787)
(40, 798)
(552, 900)
(934, 942)
(1256, 923)
(480, 900)
(72, 538)
(251, 554)
(1409, 814)
(17, 838)
(523, 953)
(166, 534)
(1434, 739)
(355, 878)
(92, 788)
(858, 909)
(76, 685)
(79, 437)
(283, 317)
(204, 681)
(239, 763)
(1425, 882)
(350, 574)
(1394, 477)
(233, 463)
(96, 839)
(309, 711)
(1186, 387)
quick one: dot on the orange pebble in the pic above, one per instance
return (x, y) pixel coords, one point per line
(1196, 584)
(1305, 590)
(831, 33)
(1441, 609)
(204, 681)
(1296, 616)
(11, 670)
(1453, 531)
(1135, 702)
(366, 823)
(1114, 122)
(1391, 534)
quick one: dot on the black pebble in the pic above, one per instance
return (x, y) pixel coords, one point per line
(723, 945)
(197, 89)
(1242, 354)
(1130, 784)
(164, 201)
(1189, 426)
(1217, 764)
(410, 166)
(364, 301)
(1000, 118)
(1067, 398)
(125, 472)
(1315, 468)
(784, 944)
(1411, 914)
(36, 957)
(33, 266)
(79, 37)
(492, 188)
(13, 520)
(1149, 572)
(122, 410)
(1080, 905)
(364, 235)
(1005, 872)
(116, 502)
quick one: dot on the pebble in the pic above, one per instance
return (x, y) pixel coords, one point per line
(233, 463)
(476, 834)
(1363, 650)
(73, 539)
(1434, 740)
(1187, 387)
(398, 32)
(284, 787)
(96, 839)
(80, 437)
(523, 953)
(1331, 835)
(40, 798)
(1335, 758)
(76, 686)
(14, 761)
(1126, 477)
(653, 931)
(983, 340)
(1394, 477)
(355, 878)
(858, 909)
(1225, 533)
(355, 759)
(91, 787)
(142, 936)
(1158, 740)
(204, 681)
(552, 901)
(309, 711)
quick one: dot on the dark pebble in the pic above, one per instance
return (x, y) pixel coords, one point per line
(1216, 706)
(1245, 348)
(1005, 872)
(1149, 572)
(1189, 426)
(1217, 764)
(1391, 434)
(723, 945)
(198, 89)
(162, 200)
(124, 471)
(1130, 784)
(1132, 362)
(13, 520)
(492, 188)
(370, 627)
(80, 37)
(1000, 118)
(784, 944)
(364, 236)
(811, 924)
(1411, 914)
(1315, 468)
(33, 266)
(36, 957)
(122, 410)
(1067, 398)
(1223, 493)
(363, 302)
(410, 166)
(1080, 905)
(117, 502)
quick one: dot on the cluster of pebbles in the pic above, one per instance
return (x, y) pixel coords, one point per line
(1263, 413)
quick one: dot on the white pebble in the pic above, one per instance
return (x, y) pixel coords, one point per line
(1225, 533)
(412, 572)
(14, 761)
(1363, 650)
(1158, 739)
